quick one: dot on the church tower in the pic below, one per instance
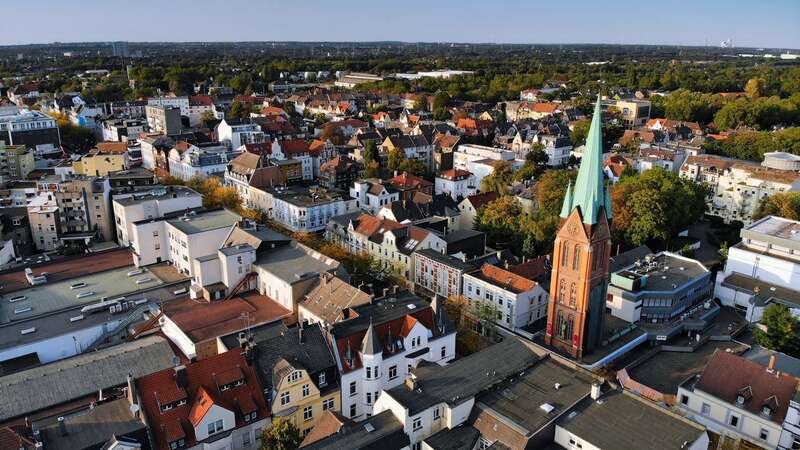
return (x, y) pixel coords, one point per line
(581, 255)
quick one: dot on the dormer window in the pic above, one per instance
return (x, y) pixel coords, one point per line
(294, 376)
(322, 381)
(739, 400)
(766, 410)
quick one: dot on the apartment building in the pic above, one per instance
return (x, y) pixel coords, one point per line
(16, 162)
(372, 195)
(29, 128)
(391, 243)
(440, 274)
(306, 210)
(152, 204)
(236, 133)
(163, 119)
(458, 184)
(763, 268)
(215, 401)
(45, 223)
(203, 160)
(738, 187)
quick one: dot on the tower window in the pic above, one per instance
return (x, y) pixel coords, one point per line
(564, 254)
(576, 258)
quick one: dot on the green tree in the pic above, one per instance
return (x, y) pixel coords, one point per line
(422, 103)
(413, 167)
(371, 160)
(238, 110)
(396, 157)
(551, 188)
(782, 204)
(579, 132)
(655, 205)
(282, 435)
(782, 330)
(499, 179)
(208, 119)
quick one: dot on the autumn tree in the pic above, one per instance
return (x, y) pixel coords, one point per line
(282, 435)
(396, 157)
(551, 188)
(783, 204)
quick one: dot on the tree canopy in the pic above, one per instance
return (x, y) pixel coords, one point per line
(655, 206)
(782, 330)
(782, 204)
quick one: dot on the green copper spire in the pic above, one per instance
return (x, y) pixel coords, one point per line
(589, 192)
(608, 201)
(566, 208)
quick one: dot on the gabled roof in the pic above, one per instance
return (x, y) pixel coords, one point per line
(727, 374)
(478, 200)
(332, 296)
(504, 279)
(203, 391)
(293, 146)
(408, 181)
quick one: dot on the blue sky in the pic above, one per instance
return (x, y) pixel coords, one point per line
(767, 23)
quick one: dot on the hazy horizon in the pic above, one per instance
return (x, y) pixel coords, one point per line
(767, 24)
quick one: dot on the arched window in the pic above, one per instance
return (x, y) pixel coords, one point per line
(562, 291)
(564, 254)
(561, 326)
(599, 253)
(573, 295)
(576, 258)
(569, 327)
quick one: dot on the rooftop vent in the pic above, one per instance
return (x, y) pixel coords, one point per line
(547, 408)
(369, 427)
(28, 330)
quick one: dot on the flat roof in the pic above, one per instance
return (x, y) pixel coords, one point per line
(620, 420)
(521, 399)
(384, 431)
(768, 292)
(201, 321)
(306, 197)
(204, 221)
(664, 271)
(67, 268)
(294, 262)
(465, 378)
(157, 193)
(61, 381)
(774, 227)
(450, 261)
(56, 296)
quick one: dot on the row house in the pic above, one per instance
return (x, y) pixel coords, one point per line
(298, 150)
(250, 175)
(741, 398)
(306, 210)
(737, 187)
(340, 173)
(153, 204)
(391, 243)
(439, 274)
(409, 185)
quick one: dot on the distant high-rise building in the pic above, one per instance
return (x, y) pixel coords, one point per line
(120, 49)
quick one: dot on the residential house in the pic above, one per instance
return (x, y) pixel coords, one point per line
(215, 400)
(372, 195)
(468, 209)
(377, 349)
(235, 133)
(408, 185)
(458, 184)
(439, 274)
(331, 301)
(152, 204)
(200, 160)
(517, 301)
(339, 173)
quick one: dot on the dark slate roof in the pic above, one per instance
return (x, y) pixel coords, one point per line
(450, 261)
(312, 354)
(424, 206)
(61, 381)
(372, 343)
(627, 258)
(466, 377)
(379, 312)
(93, 427)
(783, 362)
(458, 438)
(636, 424)
(386, 434)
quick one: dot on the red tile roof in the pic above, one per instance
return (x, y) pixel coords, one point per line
(407, 181)
(399, 328)
(203, 391)
(479, 200)
(455, 174)
(728, 375)
(293, 146)
(505, 279)
(204, 100)
(532, 269)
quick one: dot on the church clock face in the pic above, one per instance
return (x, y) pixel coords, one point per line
(572, 229)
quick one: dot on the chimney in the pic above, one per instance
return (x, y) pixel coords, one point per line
(385, 292)
(505, 263)
(300, 331)
(180, 376)
(596, 392)
(772, 360)
(395, 173)
(411, 382)
(62, 426)
(131, 389)
(394, 289)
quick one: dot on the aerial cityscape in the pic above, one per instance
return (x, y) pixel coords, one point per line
(417, 226)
